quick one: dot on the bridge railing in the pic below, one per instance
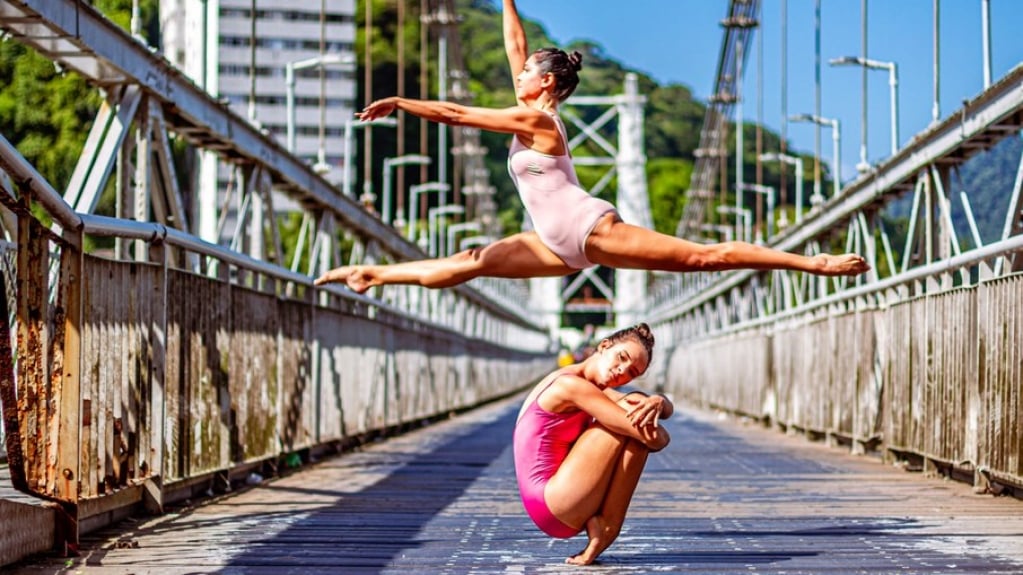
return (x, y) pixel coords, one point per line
(920, 358)
(190, 366)
(927, 366)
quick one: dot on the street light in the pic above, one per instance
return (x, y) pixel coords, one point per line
(798, 163)
(432, 225)
(413, 207)
(769, 192)
(836, 153)
(388, 164)
(893, 82)
(350, 125)
(474, 240)
(334, 59)
(742, 222)
(455, 229)
(723, 229)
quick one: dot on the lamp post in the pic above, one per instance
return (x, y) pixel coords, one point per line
(345, 60)
(893, 83)
(722, 229)
(769, 192)
(836, 152)
(413, 207)
(432, 225)
(351, 124)
(386, 190)
(742, 220)
(798, 164)
(473, 241)
(455, 229)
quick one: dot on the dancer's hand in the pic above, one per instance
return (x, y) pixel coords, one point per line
(378, 109)
(645, 411)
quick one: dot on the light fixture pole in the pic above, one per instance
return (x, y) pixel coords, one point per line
(413, 207)
(481, 240)
(432, 225)
(836, 152)
(346, 61)
(724, 230)
(767, 191)
(455, 229)
(351, 124)
(893, 84)
(798, 164)
(743, 220)
(386, 188)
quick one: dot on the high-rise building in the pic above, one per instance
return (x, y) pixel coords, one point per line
(239, 51)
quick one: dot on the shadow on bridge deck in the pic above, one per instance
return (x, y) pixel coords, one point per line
(723, 498)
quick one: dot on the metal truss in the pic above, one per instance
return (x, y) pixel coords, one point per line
(626, 161)
(148, 103)
(933, 255)
(739, 28)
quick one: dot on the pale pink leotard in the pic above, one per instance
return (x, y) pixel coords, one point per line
(563, 213)
(541, 442)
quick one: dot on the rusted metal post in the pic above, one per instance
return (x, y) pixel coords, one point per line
(31, 374)
(8, 397)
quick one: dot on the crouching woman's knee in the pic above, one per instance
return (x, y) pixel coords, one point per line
(659, 441)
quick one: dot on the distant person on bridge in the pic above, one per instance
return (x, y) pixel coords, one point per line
(572, 229)
(580, 444)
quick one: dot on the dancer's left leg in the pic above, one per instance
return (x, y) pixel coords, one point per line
(616, 244)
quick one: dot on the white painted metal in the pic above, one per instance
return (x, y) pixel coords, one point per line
(631, 286)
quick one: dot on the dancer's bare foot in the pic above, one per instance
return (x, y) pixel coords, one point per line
(841, 265)
(355, 277)
(600, 538)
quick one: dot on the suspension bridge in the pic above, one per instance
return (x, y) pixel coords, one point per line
(187, 401)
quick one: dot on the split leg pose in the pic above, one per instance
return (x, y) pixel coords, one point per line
(612, 243)
(573, 230)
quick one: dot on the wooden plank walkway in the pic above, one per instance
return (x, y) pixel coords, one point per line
(723, 498)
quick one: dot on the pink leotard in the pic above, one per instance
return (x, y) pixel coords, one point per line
(563, 213)
(541, 442)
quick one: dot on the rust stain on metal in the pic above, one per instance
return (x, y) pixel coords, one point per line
(8, 397)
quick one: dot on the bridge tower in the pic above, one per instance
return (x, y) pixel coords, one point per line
(633, 199)
(627, 293)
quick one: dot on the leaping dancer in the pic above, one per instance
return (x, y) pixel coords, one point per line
(572, 229)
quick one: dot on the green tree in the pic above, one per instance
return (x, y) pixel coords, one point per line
(667, 181)
(45, 110)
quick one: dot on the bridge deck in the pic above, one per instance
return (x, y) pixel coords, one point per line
(721, 498)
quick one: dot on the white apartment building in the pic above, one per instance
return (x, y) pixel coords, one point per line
(210, 41)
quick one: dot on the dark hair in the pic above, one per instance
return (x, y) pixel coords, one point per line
(564, 67)
(639, 332)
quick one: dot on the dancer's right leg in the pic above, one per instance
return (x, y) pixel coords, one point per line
(594, 486)
(603, 528)
(521, 255)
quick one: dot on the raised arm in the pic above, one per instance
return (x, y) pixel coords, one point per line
(515, 46)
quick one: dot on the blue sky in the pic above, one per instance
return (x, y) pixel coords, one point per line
(678, 41)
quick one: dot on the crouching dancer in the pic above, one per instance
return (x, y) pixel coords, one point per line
(580, 445)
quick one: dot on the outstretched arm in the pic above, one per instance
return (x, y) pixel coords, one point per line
(521, 120)
(515, 45)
